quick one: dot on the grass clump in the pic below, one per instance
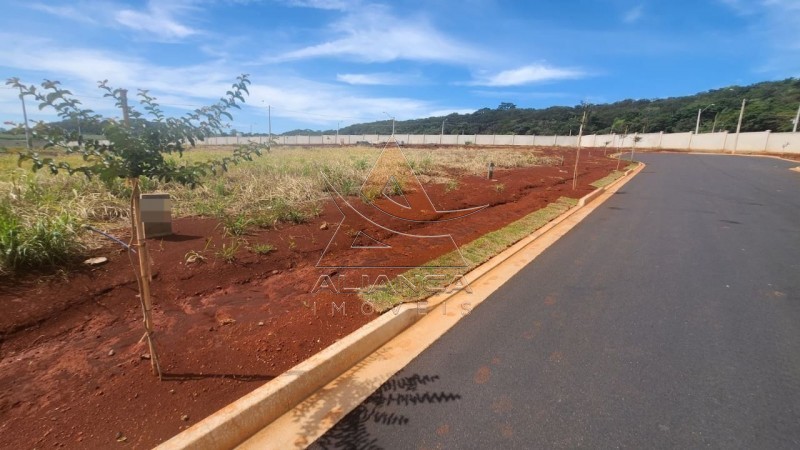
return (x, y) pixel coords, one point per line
(37, 242)
(228, 251)
(262, 249)
(236, 225)
(451, 185)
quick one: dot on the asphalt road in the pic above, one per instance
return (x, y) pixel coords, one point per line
(669, 318)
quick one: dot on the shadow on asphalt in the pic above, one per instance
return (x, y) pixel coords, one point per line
(388, 406)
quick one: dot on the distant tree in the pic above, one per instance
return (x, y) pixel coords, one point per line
(505, 106)
(618, 125)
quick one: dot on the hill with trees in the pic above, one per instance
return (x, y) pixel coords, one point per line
(771, 105)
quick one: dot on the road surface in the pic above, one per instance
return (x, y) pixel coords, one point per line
(669, 318)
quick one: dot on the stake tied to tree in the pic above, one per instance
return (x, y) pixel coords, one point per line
(133, 149)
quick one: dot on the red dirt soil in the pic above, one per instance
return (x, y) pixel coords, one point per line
(73, 367)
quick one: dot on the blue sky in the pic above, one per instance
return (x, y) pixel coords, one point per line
(323, 62)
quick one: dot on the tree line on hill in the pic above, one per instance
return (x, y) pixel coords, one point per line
(770, 105)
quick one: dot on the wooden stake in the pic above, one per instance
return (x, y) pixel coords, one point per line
(578, 153)
(143, 275)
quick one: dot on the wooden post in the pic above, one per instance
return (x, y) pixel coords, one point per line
(619, 149)
(144, 275)
(578, 153)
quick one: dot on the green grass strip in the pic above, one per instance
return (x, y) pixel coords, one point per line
(612, 177)
(475, 253)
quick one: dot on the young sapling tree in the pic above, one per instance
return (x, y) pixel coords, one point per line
(134, 148)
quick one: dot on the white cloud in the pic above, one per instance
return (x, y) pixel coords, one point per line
(774, 23)
(79, 69)
(375, 79)
(322, 4)
(323, 103)
(157, 20)
(187, 87)
(372, 34)
(634, 14)
(533, 73)
(519, 94)
(65, 12)
(739, 6)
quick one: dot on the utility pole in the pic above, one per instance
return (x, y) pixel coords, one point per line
(337, 132)
(442, 135)
(269, 120)
(25, 118)
(391, 117)
(739, 126)
(700, 111)
(796, 119)
(697, 126)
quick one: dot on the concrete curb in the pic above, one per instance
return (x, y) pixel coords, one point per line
(593, 195)
(597, 192)
(238, 421)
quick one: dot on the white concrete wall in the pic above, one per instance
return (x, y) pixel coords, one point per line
(566, 141)
(484, 139)
(747, 142)
(707, 141)
(524, 139)
(784, 142)
(504, 139)
(450, 139)
(678, 141)
(417, 139)
(649, 140)
(752, 142)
